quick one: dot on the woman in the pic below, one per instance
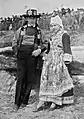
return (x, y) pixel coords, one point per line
(56, 83)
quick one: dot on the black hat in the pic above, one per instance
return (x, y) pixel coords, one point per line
(32, 13)
(68, 10)
(63, 11)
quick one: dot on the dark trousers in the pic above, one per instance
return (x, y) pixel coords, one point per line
(26, 76)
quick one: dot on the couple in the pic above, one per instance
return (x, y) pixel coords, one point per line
(56, 86)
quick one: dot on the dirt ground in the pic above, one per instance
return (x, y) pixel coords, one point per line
(75, 111)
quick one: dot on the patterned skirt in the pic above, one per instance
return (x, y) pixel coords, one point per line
(56, 84)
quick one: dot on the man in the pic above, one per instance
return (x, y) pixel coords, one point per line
(28, 44)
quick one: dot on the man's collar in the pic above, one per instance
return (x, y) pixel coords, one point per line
(31, 25)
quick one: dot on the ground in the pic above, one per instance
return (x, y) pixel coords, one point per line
(75, 111)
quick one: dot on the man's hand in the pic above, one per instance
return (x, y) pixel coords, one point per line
(36, 52)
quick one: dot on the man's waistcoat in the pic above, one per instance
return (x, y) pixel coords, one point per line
(30, 36)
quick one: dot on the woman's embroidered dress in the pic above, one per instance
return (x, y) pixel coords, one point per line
(56, 84)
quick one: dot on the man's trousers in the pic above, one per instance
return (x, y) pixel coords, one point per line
(26, 76)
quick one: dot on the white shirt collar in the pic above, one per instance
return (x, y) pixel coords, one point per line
(31, 25)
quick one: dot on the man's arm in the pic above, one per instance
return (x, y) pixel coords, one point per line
(15, 40)
(45, 44)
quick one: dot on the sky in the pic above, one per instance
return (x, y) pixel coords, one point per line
(10, 7)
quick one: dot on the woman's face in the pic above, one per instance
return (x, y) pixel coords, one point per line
(55, 27)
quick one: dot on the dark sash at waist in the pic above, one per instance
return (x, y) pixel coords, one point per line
(26, 48)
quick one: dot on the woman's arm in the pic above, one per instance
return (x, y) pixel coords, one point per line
(67, 48)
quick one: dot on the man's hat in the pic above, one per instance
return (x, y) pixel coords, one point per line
(63, 11)
(32, 13)
(68, 10)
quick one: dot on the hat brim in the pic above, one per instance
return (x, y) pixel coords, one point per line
(34, 16)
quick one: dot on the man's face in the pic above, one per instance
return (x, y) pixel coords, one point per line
(31, 20)
(67, 14)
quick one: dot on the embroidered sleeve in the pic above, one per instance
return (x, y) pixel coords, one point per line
(67, 48)
(16, 38)
(67, 58)
(66, 43)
